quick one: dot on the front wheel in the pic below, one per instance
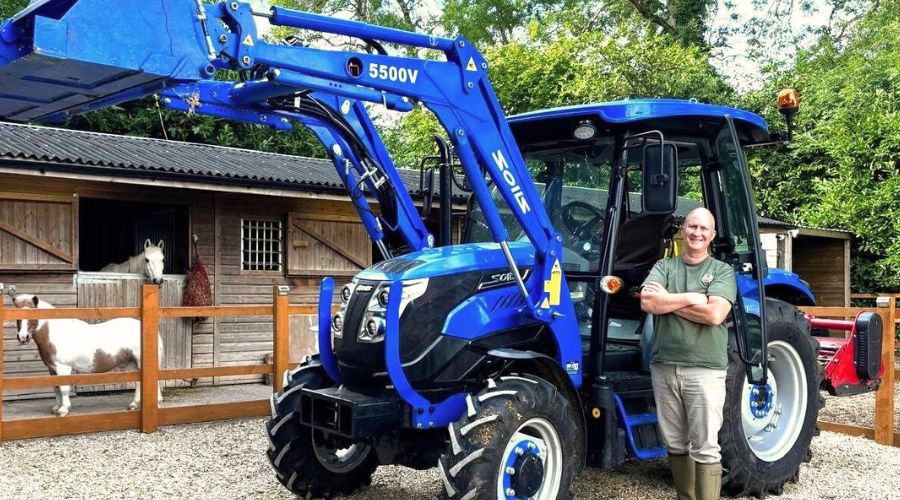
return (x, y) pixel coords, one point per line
(306, 461)
(519, 438)
(767, 430)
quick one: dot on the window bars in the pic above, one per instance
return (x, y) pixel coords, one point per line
(261, 245)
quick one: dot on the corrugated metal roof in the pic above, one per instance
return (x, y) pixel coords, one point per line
(94, 151)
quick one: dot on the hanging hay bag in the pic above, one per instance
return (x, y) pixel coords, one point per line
(197, 290)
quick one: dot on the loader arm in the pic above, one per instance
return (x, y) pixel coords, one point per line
(60, 57)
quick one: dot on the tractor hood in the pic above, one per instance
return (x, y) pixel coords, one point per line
(454, 259)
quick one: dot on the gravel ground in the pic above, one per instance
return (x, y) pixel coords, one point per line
(857, 410)
(225, 460)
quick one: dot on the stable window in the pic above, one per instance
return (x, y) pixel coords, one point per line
(261, 247)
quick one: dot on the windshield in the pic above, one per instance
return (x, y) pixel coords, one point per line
(573, 180)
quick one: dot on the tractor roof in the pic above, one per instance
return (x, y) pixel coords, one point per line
(752, 127)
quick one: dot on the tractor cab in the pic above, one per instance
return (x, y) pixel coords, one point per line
(616, 180)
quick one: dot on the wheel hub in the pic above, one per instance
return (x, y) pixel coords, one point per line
(761, 397)
(524, 472)
(528, 476)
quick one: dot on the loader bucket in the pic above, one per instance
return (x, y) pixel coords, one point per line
(61, 57)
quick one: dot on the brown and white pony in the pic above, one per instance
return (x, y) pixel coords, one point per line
(67, 345)
(150, 263)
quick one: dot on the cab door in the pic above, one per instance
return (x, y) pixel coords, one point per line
(727, 187)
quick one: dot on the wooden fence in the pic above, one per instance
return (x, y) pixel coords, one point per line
(884, 431)
(151, 416)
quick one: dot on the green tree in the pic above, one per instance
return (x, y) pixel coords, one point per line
(843, 168)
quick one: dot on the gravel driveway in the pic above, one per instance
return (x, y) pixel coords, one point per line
(225, 460)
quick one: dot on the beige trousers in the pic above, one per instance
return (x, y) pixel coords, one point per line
(689, 403)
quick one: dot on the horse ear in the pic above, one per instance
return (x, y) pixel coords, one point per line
(162, 244)
(147, 244)
(35, 300)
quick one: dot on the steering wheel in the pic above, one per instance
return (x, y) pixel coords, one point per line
(582, 230)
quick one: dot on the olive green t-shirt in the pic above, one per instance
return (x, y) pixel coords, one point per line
(679, 341)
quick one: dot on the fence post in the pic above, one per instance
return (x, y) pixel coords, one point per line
(281, 344)
(1, 362)
(884, 398)
(149, 358)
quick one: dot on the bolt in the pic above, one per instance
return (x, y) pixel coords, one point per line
(519, 451)
(460, 132)
(461, 44)
(245, 59)
(483, 65)
(223, 38)
(284, 120)
(430, 423)
(511, 471)
(167, 100)
(531, 446)
(470, 85)
(510, 492)
(559, 238)
(419, 425)
(234, 6)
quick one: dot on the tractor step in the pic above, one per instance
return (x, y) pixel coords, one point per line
(642, 432)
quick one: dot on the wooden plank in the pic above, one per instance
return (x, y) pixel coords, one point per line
(218, 311)
(215, 371)
(84, 313)
(884, 397)
(280, 324)
(851, 430)
(43, 245)
(2, 364)
(81, 379)
(211, 412)
(836, 312)
(149, 358)
(52, 198)
(308, 309)
(70, 424)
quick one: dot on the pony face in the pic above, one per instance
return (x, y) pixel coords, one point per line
(154, 261)
(26, 329)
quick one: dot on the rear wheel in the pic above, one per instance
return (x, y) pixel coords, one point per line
(767, 430)
(306, 461)
(519, 438)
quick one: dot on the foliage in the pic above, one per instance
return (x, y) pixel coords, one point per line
(843, 168)
(10, 7)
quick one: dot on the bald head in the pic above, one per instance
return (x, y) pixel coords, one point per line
(703, 215)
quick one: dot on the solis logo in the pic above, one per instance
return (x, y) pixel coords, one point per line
(510, 179)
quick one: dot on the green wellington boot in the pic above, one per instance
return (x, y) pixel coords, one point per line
(709, 481)
(683, 471)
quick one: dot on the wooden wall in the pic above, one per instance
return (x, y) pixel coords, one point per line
(824, 264)
(335, 240)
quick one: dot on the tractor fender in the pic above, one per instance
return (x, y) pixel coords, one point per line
(549, 369)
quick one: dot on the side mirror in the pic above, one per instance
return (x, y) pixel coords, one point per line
(659, 182)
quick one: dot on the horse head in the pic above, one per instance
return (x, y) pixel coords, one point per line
(26, 329)
(154, 261)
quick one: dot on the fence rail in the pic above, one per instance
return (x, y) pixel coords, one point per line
(151, 416)
(883, 431)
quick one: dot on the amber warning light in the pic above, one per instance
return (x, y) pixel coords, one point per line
(788, 104)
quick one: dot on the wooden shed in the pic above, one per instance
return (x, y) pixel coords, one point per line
(72, 202)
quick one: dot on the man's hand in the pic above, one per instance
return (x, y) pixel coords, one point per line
(655, 299)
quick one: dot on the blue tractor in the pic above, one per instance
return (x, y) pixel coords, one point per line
(516, 357)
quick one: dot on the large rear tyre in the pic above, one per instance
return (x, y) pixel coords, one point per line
(519, 438)
(767, 430)
(307, 462)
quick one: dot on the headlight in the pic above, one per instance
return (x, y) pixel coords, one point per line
(374, 325)
(347, 292)
(337, 325)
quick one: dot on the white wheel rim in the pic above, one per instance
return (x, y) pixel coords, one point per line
(771, 436)
(549, 448)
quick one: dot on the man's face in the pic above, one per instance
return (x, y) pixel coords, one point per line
(698, 232)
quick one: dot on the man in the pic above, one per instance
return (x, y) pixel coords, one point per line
(691, 295)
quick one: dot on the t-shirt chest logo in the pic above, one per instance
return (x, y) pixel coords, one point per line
(706, 279)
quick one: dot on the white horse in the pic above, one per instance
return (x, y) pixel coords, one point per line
(150, 263)
(67, 345)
